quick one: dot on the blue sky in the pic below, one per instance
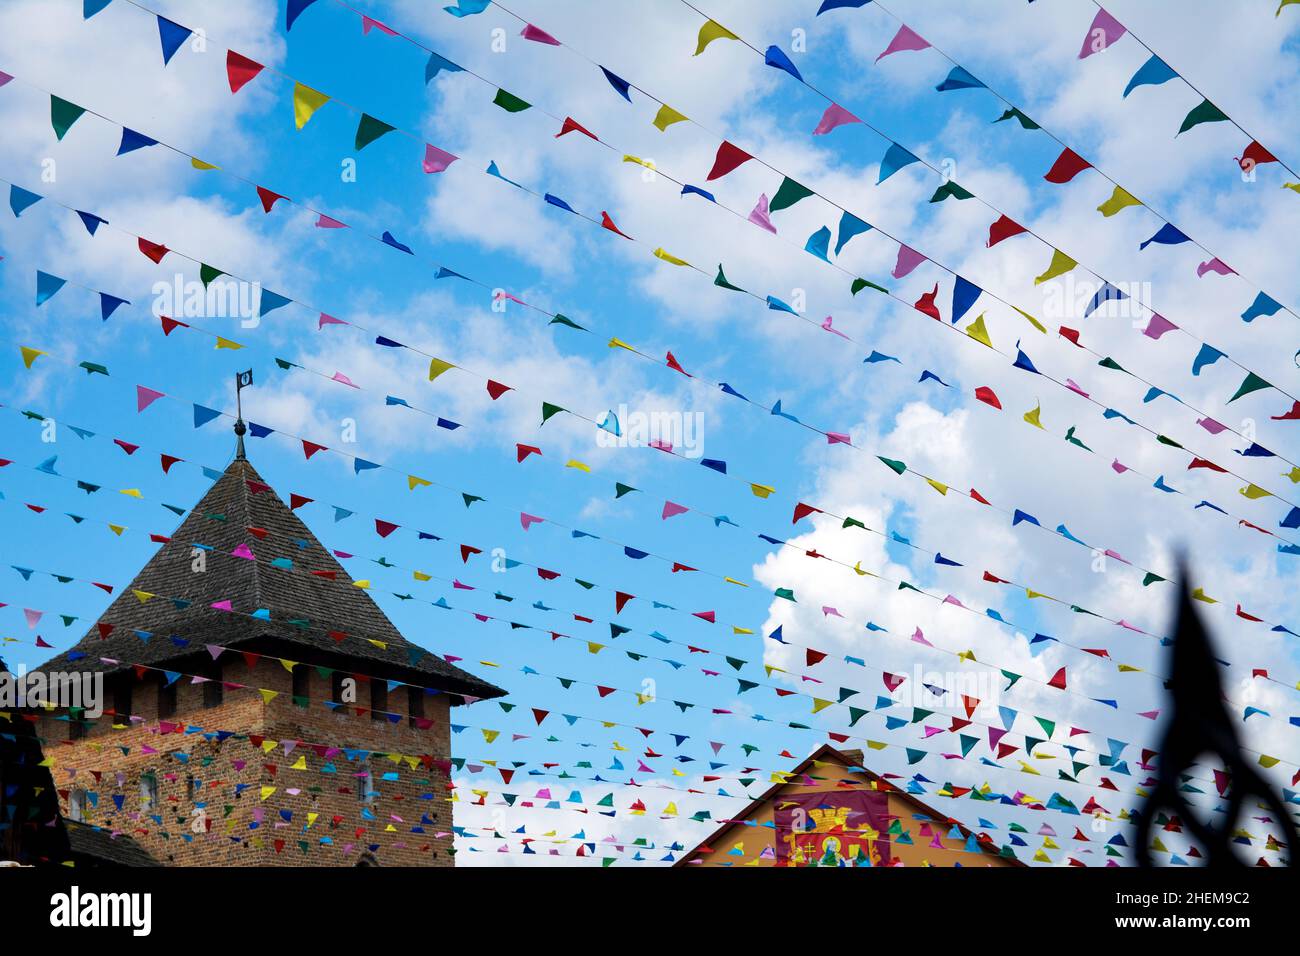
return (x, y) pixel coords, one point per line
(483, 227)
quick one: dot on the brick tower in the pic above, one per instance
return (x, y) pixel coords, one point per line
(293, 725)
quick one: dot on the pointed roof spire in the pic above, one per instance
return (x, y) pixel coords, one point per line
(242, 379)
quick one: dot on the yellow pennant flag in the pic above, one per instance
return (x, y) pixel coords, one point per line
(117, 529)
(594, 648)
(819, 704)
(619, 343)
(740, 630)
(268, 695)
(143, 596)
(287, 665)
(267, 791)
(31, 355)
(978, 332)
(420, 576)
(228, 344)
(1253, 491)
(414, 481)
(1031, 594)
(364, 583)
(639, 161)
(1266, 761)
(1121, 198)
(1294, 187)
(734, 581)
(712, 30)
(299, 764)
(382, 645)
(1293, 474)
(574, 463)
(490, 735)
(938, 486)
(131, 492)
(1032, 321)
(200, 164)
(761, 491)
(437, 366)
(1061, 264)
(1033, 417)
(1200, 595)
(666, 117)
(668, 257)
(306, 102)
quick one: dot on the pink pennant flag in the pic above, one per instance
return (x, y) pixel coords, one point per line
(905, 39)
(908, 259)
(952, 600)
(340, 377)
(826, 324)
(1073, 386)
(538, 35)
(706, 616)
(243, 551)
(1158, 326)
(1211, 426)
(370, 23)
(1117, 556)
(760, 217)
(1119, 466)
(672, 508)
(33, 617)
(4, 77)
(919, 638)
(328, 320)
(435, 159)
(828, 611)
(144, 397)
(325, 222)
(527, 520)
(1104, 31)
(834, 117)
(1217, 266)
(838, 438)
(662, 445)
(215, 650)
(221, 606)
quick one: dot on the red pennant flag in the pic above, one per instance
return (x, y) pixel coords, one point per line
(681, 567)
(814, 657)
(168, 461)
(546, 575)
(1005, 750)
(259, 533)
(970, 703)
(153, 250)
(540, 715)
(608, 223)
(1291, 416)
(992, 578)
(523, 451)
(571, 125)
(729, 157)
(605, 691)
(168, 324)
(1254, 155)
(1070, 334)
(106, 588)
(802, 510)
(104, 630)
(706, 616)
(926, 303)
(268, 198)
(126, 446)
(1004, 228)
(240, 69)
(1068, 165)
(1058, 680)
(1205, 463)
(985, 395)
(310, 448)
(496, 389)
(892, 681)
(979, 497)
(1247, 617)
(296, 500)
(676, 366)
(384, 528)
(466, 551)
(620, 600)
(40, 642)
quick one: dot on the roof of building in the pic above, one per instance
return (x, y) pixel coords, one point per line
(104, 848)
(851, 759)
(238, 501)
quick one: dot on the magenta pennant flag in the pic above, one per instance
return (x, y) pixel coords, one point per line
(1211, 426)
(328, 320)
(760, 215)
(436, 160)
(1215, 265)
(144, 397)
(33, 617)
(834, 117)
(343, 379)
(370, 23)
(1104, 31)
(1119, 466)
(1158, 326)
(671, 508)
(905, 39)
(908, 259)
(826, 324)
(527, 521)
(838, 438)
(325, 222)
(538, 35)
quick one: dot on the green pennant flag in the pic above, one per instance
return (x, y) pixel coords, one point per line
(1048, 725)
(967, 742)
(621, 489)
(470, 499)
(370, 129)
(789, 194)
(1011, 677)
(63, 114)
(919, 714)
(509, 102)
(851, 522)
(951, 188)
(896, 466)
(1110, 363)
(1252, 383)
(1069, 436)
(860, 284)
(1205, 112)
(914, 756)
(745, 685)
(787, 593)
(549, 410)
(856, 714)
(94, 367)
(736, 662)
(1030, 744)
(1152, 578)
(1015, 114)
(908, 586)
(207, 273)
(585, 585)
(559, 319)
(1168, 441)
(721, 280)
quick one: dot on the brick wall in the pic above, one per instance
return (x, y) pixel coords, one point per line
(421, 792)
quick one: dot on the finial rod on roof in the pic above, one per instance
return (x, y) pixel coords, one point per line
(242, 379)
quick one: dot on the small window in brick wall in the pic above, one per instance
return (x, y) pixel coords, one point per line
(213, 689)
(302, 686)
(122, 701)
(378, 699)
(415, 704)
(148, 791)
(77, 805)
(167, 700)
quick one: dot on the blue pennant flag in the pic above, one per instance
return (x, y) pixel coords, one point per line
(172, 36)
(1151, 73)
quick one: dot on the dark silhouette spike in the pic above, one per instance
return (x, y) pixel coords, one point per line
(1200, 724)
